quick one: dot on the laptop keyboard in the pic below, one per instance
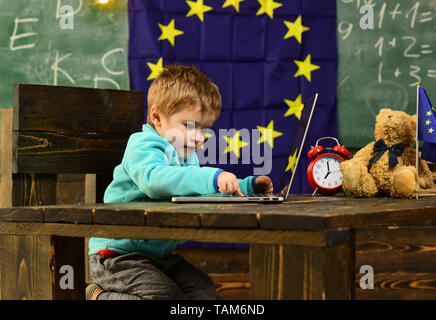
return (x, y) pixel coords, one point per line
(257, 195)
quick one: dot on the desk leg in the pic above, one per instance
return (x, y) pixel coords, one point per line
(288, 272)
(30, 267)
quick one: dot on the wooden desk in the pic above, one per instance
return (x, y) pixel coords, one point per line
(301, 249)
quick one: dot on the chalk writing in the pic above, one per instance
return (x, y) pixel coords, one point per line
(103, 63)
(413, 46)
(55, 68)
(16, 36)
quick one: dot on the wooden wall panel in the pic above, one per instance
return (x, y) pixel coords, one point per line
(76, 109)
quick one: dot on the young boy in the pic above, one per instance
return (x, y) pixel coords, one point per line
(160, 162)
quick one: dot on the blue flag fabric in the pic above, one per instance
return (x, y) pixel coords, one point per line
(427, 126)
(429, 152)
(266, 56)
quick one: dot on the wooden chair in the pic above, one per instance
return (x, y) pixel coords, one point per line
(53, 130)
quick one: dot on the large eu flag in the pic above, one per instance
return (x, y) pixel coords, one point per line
(427, 126)
(266, 56)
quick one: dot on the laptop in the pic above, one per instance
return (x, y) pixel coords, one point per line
(287, 177)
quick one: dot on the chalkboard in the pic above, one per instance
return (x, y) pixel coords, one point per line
(38, 45)
(377, 67)
(380, 67)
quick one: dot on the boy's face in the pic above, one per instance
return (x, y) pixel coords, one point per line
(185, 129)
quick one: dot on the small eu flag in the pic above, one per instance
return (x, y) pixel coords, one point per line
(427, 126)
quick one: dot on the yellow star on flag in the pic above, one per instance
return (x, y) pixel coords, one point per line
(268, 6)
(234, 144)
(197, 8)
(305, 68)
(430, 130)
(291, 161)
(169, 32)
(234, 3)
(156, 69)
(206, 136)
(295, 29)
(268, 134)
(428, 113)
(295, 107)
(427, 122)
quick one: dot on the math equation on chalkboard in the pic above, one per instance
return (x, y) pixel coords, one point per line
(384, 49)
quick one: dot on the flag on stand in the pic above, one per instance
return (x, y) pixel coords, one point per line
(427, 126)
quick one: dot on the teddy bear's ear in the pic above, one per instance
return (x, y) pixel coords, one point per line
(384, 111)
(382, 114)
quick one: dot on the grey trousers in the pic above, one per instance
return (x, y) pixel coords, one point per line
(138, 276)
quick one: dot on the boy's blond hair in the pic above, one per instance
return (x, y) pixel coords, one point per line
(179, 86)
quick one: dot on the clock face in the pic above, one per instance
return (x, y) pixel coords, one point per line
(327, 173)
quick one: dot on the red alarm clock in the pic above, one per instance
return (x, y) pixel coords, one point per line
(323, 173)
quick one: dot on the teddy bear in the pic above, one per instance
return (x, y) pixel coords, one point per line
(386, 166)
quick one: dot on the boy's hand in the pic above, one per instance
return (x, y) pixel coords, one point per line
(264, 185)
(228, 183)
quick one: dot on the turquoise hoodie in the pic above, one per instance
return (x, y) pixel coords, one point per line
(151, 170)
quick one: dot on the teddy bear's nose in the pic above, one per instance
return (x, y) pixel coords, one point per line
(390, 116)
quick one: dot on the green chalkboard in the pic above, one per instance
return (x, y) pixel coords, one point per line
(380, 67)
(37, 47)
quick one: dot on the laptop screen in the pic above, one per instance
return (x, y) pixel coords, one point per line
(297, 145)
